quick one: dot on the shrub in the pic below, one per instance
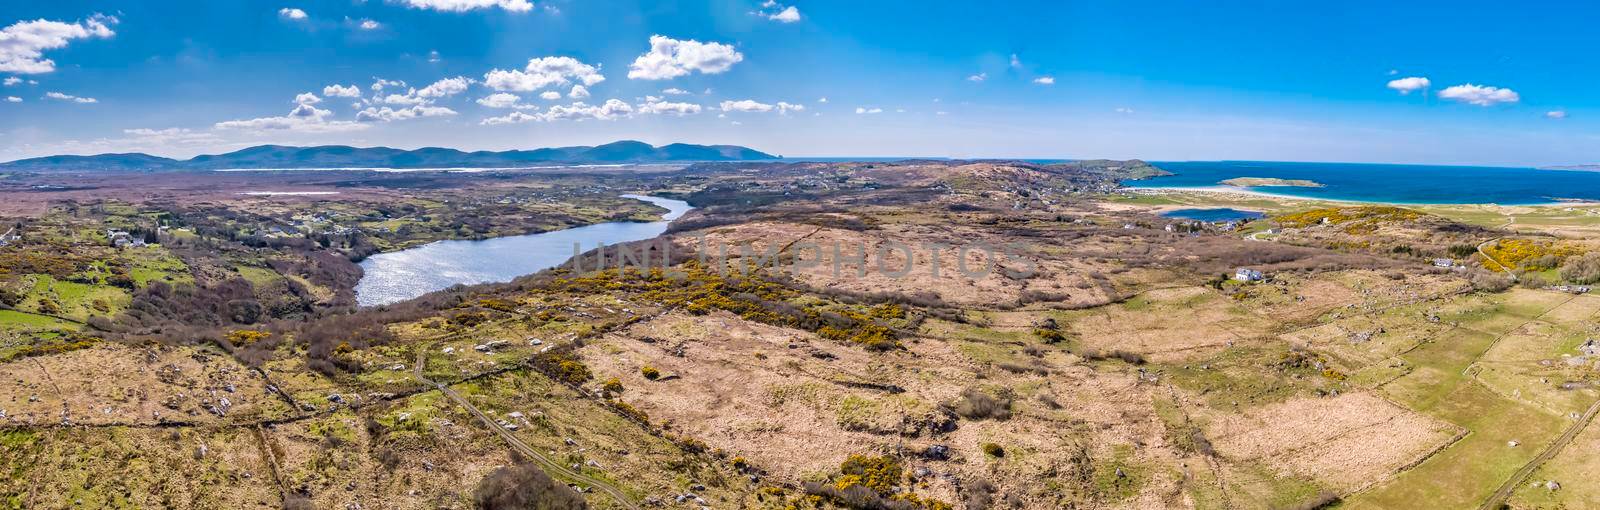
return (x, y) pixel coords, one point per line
(1582, 269)
(993, 450)
(650, 372)
(612, 385)
(525, 487)
(975, 404)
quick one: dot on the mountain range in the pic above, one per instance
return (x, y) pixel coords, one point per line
(340, 156)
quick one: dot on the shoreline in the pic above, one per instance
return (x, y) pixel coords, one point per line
(1233, 190)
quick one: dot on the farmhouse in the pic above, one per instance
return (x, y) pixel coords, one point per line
(1245, 274)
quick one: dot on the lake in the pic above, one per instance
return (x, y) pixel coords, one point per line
(397, 276)
(1217, 214)
(1398, 184)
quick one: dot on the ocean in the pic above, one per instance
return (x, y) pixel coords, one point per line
(1397, 184)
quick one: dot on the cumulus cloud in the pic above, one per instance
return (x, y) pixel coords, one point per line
(1016, 63)
(467, 5)
(505, 100)
(368, 24)
(978, 78)
(578, 92)
(292, 13)
(337, 90)
(1481, 95)
(512, 118)
(22, 45)
(1556, 114)
(1410, 84)
(550, 95)
(670, 58)
(612, 109)
(445, 88)
(386, 114)
(13, 99)
(746, 105)
(822, 100)
(303, 118)
(67, 97)
(671, 92)
(1045, 80)
(12, 80)
(861, 110)
(408, 98)
(787, 15)
(657, 105)
(378, 84)
(543, 72)
(307, 98)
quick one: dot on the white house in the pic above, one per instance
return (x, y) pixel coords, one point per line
(1245, 274)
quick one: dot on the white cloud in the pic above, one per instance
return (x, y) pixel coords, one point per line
(467, 5)
(787, 15)
(978, 77)
(656, 105)
(822, 100)
(13, 99)
(445, 88)
(378, 84)
(368, 24)
(578, 92)
(1480, 95)
(549, 95)
(505, 100)
(860, 110)
(433, 56)
(337, 90)
(292, 13)
(512, 118)
(1410, 84)
(307, 98)
(1045, 80)
(580, 111)
(68, 97)
(1556, 114)
(22, 44)
(746, 105)
(1016, 63)
(12, 80)
(674, 92)
(408, 98)
(543, 72)
(303, 118)
(671, 58)
(1124, 110)
(941, 113)
(386, 114)
(1393, 72)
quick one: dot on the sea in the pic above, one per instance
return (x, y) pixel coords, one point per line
(1394, 184)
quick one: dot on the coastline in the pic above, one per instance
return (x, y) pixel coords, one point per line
(1250, 193)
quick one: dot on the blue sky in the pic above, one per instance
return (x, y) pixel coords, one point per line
(1180, 80)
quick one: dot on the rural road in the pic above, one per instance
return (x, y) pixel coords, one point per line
(521, 447)
(1491, 257)
(1504, 492)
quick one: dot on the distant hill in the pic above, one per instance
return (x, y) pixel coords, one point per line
(1589, 167)
(340, 156)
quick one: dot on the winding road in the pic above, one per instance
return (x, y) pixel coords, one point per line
(517, 444)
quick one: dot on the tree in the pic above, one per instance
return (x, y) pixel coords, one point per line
(525, 487)
(1582, 269)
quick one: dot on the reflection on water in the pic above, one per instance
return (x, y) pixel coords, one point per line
(405, 274)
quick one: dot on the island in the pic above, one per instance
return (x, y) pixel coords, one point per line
(1250, 182)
